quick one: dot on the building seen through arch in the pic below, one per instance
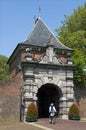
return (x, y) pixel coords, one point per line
(47, 71)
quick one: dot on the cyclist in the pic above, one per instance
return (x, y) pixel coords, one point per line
(52, 112)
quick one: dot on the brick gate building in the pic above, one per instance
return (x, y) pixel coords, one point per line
(46, 72)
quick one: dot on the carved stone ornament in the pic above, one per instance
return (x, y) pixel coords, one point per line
(62, 59)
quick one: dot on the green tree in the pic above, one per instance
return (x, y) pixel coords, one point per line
(73, 34)
(3, 67)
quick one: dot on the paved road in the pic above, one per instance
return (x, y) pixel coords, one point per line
(63, 124)
(18, 126)
(43, 124)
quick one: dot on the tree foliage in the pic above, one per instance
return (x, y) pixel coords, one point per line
(73, 34)
(3, 67)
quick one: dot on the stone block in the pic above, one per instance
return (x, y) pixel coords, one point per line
(70, 96)
(64, 104)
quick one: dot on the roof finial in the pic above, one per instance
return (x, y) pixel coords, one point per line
(39, 11)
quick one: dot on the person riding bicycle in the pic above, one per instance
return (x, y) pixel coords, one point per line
(52, 112)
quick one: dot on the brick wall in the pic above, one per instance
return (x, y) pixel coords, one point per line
(10, 98)
(80, 97)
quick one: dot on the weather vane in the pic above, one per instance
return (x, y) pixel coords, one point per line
(39, 11)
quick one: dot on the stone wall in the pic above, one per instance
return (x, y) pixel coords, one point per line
(10, 98)
(38, 74)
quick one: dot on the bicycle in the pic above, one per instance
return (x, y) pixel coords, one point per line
(52, 119)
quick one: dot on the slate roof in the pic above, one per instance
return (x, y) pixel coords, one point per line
(40, 36)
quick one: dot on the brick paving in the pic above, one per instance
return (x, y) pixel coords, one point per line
(43, 124)
(18, 126)
(63, 124)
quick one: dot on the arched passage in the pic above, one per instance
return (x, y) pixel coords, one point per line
(46, 94)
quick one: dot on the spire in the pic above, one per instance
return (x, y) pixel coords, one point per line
(39, 14)
(42, 36)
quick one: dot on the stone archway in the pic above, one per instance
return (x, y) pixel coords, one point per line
(46, 94)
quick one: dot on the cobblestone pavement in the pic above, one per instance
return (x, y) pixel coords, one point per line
(43, 124)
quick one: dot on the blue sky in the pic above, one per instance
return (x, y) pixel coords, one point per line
(17, 18)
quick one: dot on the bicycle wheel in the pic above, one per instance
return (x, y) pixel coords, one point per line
(50, 120)
(53, 120)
